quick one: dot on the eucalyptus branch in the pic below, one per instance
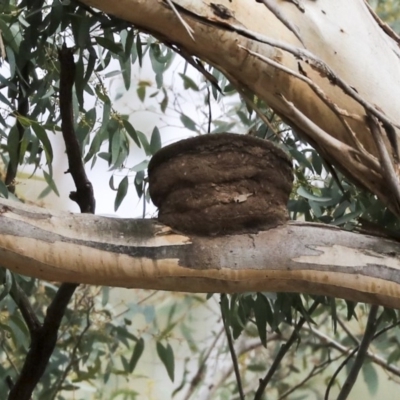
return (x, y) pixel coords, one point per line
(316, 370)
(83, 196)
(73, 355)
(282, 352)
(200, 371)
(42, 345)
(345, 350)
(361, 354)
(232, 351)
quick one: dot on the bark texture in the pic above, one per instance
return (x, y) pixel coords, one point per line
(323, 65)
(297, 257)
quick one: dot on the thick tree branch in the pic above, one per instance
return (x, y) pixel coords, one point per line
(289, 35)
(44, 337)
(295, 257)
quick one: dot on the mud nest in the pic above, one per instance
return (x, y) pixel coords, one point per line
(221, 184)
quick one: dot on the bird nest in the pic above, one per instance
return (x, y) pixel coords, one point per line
(221, 184)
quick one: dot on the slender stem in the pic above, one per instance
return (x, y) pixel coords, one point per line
(200, 372)
(361, 355)
(282, 352)
(42, 345)
(345, 350)
(232, 351)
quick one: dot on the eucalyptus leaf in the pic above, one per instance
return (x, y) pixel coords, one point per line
(166, 355)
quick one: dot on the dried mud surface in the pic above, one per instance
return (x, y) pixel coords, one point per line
(221, 184)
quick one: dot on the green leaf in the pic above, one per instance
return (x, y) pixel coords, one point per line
(128, 44)
(139, 50)
(188, 123)
(11, 61)
(105, 295)
(370, 378)
(166, 356)
(155, 141)
(121, 192)
(137, 352)
(303, 192)
(42, 136)
(261, 308)
(139, 183)
(188, 83)
(115, 143)
(140, 167)
(141, 92)
(130, 130)
(12, 145)
(7, 282)
(3, 190)
(83, 34)
(108, 44)
(346, 218)
(164, 102)
(49, 180)
(125, 65)
(145, 142)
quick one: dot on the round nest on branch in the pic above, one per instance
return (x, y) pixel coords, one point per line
(221, 184)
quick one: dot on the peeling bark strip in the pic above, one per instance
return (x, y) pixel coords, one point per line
(360, 57)
(297, 257)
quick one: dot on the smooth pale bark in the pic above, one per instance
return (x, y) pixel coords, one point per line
(297, 257)
(341, 33)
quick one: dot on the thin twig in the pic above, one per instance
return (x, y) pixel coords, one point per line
(318, 65)
(73, 355)
(333, 378)
(368, 158)
(385, 159)
(348, 332)
(232, 351)
(361, 354)
(194, 382)
(282, 352)
(317, 369)
(209, 110)
(187, 27)
(345, 350)
(275, 9)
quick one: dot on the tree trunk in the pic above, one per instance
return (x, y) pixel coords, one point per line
(297, 257)
(323, 65)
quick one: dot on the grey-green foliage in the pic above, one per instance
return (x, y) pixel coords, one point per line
(96, 343)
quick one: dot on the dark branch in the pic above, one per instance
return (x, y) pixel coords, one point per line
(282, 352)
(42, 345)
(44, 338)
(232, 351)
(83, 196)
(361, 355)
